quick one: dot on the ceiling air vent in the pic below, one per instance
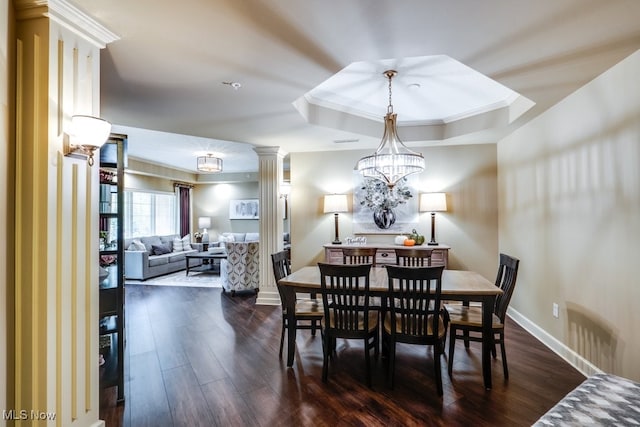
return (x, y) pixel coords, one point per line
(345, 141)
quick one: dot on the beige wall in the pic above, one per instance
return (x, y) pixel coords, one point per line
(569, 186)
(467, 174)
(212, 200)
(5, 192)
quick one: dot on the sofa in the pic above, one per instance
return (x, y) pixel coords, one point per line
(152, 256)
(245, 237)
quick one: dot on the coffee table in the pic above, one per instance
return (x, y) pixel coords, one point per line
(209, 263)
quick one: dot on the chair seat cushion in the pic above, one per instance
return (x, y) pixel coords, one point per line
(469, 316)
(442, 330)
(307, 307)
(373, 320)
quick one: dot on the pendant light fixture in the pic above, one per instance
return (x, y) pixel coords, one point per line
(209, 164)
(392, 161)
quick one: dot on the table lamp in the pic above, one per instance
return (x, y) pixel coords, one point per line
(204, 222)
(334, 203)
(433, 202)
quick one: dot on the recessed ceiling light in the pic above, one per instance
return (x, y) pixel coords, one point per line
(235, 85)
(345, 141)
(414, 86)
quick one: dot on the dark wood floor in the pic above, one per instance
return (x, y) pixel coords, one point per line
(198, 357)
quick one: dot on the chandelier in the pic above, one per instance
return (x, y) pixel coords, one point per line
(209, 164)
(392, 160)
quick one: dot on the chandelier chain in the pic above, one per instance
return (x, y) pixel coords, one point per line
(390, 106)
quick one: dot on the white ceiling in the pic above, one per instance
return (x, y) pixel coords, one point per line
(166, 71)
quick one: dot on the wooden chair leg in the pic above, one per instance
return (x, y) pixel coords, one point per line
(504, 357)
(437, 368)
(367, 361)
(282, 337)
(326, 348)
(465, 335)
(452, 347)
(392, 362)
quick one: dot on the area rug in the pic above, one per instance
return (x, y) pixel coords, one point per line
(179, 278)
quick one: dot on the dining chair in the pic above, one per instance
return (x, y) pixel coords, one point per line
(359, 256)
(413, 315)
(308, 311)
(412, 257)
(466, 322)
(345, 298)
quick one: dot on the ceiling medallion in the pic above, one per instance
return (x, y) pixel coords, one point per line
(392, 160)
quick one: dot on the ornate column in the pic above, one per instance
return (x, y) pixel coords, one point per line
(54, 342)
(270, 175)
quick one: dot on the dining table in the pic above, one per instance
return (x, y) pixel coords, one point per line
(457, 285)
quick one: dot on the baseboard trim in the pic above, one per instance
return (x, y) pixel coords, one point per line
(268, 298)
(574, 359)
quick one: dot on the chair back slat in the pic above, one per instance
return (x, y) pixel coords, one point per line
(412, 257)
(414, 295)
(345, 296)
(359, 256)
(505, 280)
(281, 268)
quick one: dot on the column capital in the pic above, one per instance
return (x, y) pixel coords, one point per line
(269, 151)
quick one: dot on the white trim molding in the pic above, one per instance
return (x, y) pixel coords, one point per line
(574, 359)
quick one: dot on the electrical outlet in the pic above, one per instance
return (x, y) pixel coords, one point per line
(556, 310)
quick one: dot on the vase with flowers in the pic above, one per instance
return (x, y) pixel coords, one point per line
(198, 236)
(382, 199)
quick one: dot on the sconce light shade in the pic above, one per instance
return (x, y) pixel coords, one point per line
(433, 202)
(209, 164)
(334, 203)
(285, 189)
(85, 136)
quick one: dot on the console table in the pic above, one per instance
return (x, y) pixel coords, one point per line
(386, 254)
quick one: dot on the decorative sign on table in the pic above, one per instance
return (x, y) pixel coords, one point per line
(243, 209)
(377, 209)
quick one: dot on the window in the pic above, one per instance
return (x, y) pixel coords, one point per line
(149, 214)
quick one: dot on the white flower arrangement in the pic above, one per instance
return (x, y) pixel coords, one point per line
(377, 195)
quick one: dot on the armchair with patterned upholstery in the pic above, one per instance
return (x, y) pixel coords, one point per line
(240, 271)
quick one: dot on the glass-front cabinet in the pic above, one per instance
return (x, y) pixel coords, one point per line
(111, 254)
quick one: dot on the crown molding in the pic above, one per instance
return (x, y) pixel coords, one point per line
(68, 16)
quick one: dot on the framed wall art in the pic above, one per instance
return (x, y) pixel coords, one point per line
(380, 210)
(244, 209)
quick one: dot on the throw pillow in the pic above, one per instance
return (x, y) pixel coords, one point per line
(226, 238)
(186, 243)
(137, 245)
(161, 249)
(178, 246)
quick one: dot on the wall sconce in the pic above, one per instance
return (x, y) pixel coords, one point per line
(86, 135)
(204, 222)
(335, 203)
(433, 202)
(285, 190)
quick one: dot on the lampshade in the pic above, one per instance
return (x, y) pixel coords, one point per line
(88, 131)
(392, 160)
(433, 202)
(204, 222)
(209, 164)
(334, 203)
